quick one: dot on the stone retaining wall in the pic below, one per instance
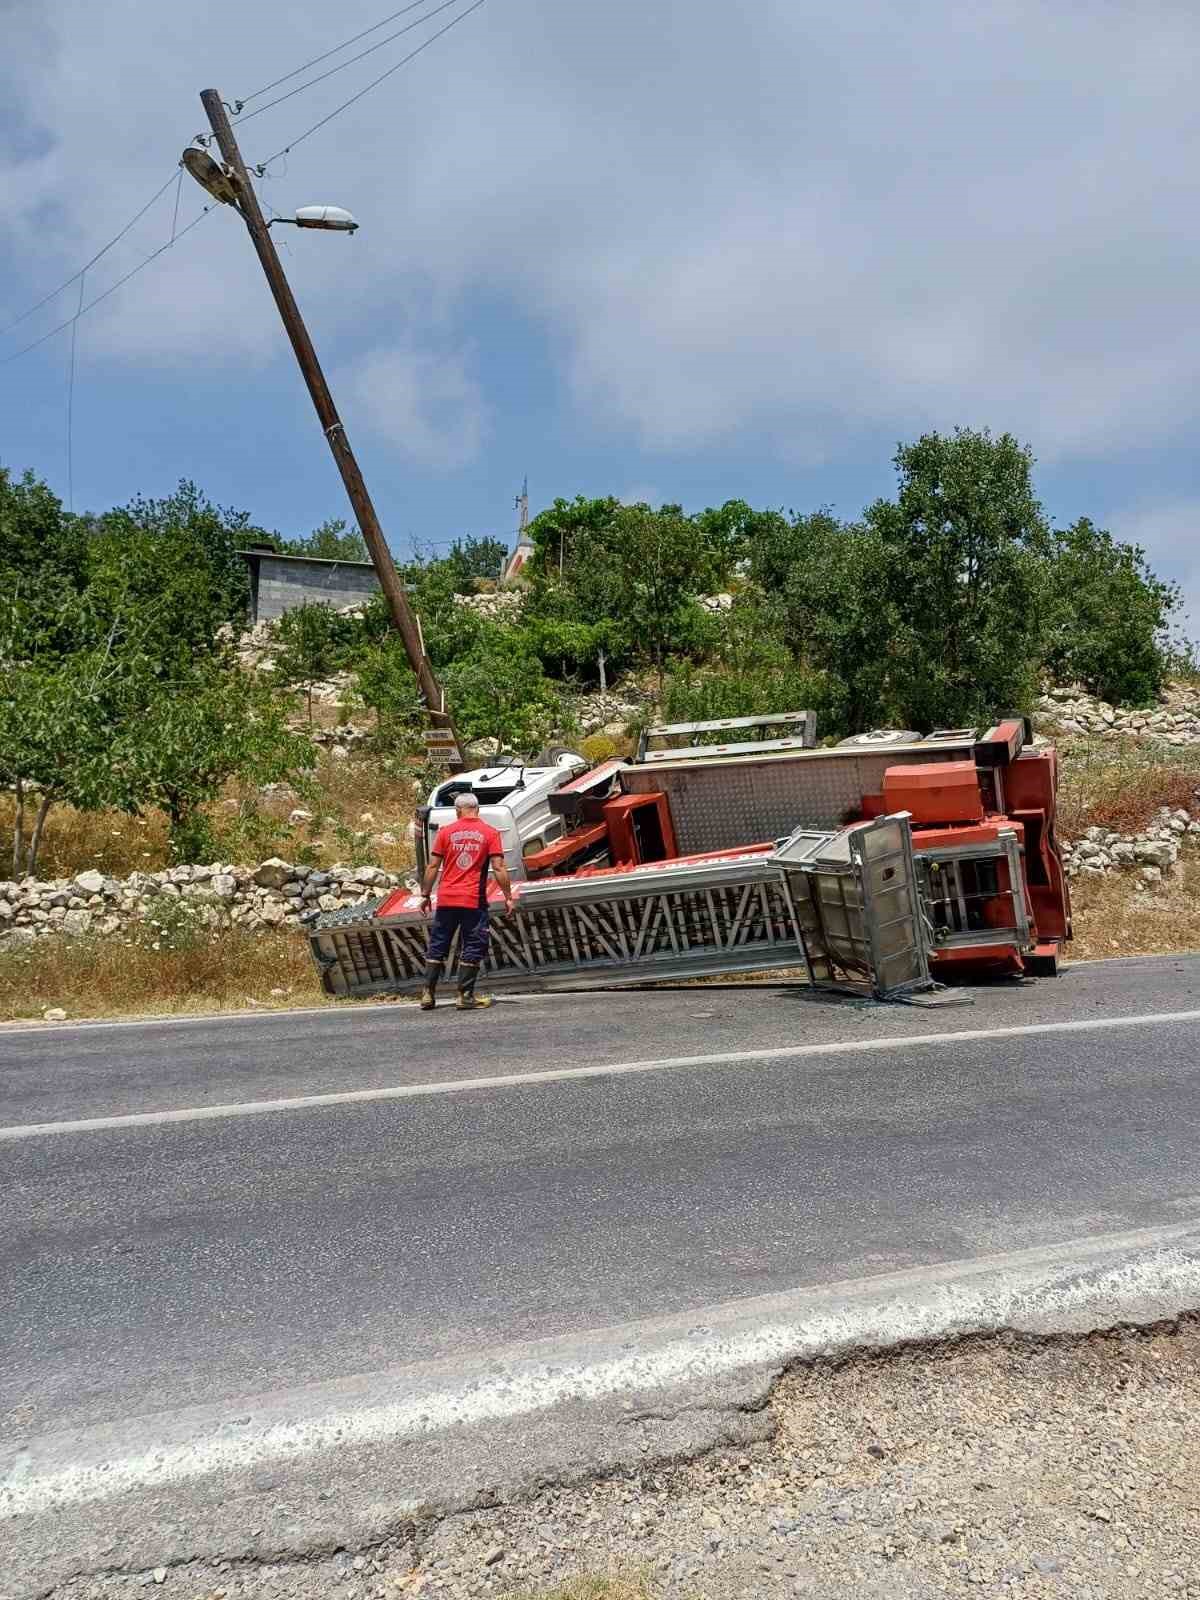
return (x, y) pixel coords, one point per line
(276, 892)
(1174, 721)
(272, 894)
(1152, 854)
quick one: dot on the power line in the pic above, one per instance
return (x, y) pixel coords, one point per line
(112, 289)
(86, 267)
(439, 544)
(342, 65)
(374, 84)
(71, 402)
(83, 310)
(337, 48)
(178, 194)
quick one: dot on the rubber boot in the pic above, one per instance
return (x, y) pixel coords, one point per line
(433, 971)
(468, 1000)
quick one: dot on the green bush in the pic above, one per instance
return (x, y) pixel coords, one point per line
(314, 641)
(703, 694)
(495, 688)
(1107, 616)
(598, 747)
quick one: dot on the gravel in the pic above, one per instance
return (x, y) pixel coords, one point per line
(999, 1467)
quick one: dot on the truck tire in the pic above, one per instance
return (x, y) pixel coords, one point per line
(552, 755)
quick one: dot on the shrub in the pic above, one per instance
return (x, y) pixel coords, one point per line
(598, 747)
(1108, 616)
(698, 694)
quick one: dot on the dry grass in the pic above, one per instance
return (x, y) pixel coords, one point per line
(247, 827)
(589, 1588)
(1120, 784)
(346, 791)
(1112, 917)
(114, 978)
(109, 841)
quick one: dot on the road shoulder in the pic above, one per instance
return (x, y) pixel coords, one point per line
(365, 1460)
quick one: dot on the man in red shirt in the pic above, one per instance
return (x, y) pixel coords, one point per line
(463, 853)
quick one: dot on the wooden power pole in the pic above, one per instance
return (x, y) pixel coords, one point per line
(403, 615)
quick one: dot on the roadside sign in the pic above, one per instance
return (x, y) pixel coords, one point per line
(441, 745)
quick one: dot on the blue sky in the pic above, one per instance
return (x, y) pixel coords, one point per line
(681, 252)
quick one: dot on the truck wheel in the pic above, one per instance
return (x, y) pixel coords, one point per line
(552, 755)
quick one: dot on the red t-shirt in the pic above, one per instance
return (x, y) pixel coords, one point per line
(466, 848)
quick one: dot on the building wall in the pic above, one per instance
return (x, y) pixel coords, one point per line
(284, 584)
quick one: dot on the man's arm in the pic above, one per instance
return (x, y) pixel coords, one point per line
(500, 873)
(428, 880)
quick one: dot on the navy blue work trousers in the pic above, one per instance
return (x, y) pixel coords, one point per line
(472, 927)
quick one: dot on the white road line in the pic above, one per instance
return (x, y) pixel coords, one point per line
(616, 1069)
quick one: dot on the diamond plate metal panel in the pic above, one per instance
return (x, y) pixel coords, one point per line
(744, 801)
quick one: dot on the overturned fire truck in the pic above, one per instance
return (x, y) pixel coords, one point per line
(890, 863)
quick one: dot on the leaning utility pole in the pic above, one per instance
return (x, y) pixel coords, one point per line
(403, 615)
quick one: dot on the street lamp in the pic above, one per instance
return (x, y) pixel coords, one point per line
(223, 184)
(332, 218)
(229, 182)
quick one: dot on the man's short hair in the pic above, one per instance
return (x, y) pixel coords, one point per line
(466, 802)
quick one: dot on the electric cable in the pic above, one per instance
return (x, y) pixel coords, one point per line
(87, 266)
(325, 54)
(112, 289)
(71, 402)
(176, 233)
(342, 65)
(178, 195)
(374, 84)
(439, 544)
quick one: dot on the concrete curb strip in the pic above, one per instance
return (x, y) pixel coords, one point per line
(1072, 1287)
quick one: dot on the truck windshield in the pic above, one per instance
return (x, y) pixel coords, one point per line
(491, 795)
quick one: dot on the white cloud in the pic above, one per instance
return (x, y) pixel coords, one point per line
(424, 402)
(781, 225)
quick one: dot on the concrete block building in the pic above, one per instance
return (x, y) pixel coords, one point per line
(278, 583)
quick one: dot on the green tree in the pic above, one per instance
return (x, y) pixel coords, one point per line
(387, 685)
(42, 562)
(664, 566)
(733, 535)
(499, 691)
(332, 541)
(315, 641)
(116, 690)
(695, 693)
(495, 687)
(473, 559)
(56, 723)
(192, 543)
(630, 566)
(36, 535)
(61, 698)
(565, 533)
(586, 649)
(1107, 615)
(837, 601)
(966, 541)
(780, 544)
(183, 740)
(157, 593)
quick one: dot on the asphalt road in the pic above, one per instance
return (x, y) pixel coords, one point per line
(181, 1259)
